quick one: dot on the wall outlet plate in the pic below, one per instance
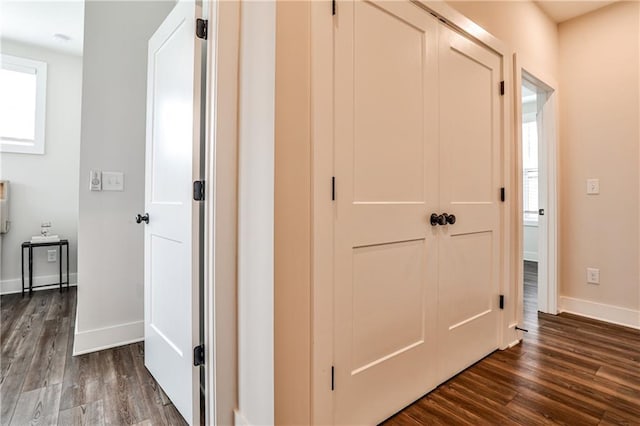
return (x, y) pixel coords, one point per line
(52, 255)
(593, 276)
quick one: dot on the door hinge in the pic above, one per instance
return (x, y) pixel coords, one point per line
(198, 355)
(333, 383)
(502, 301)
(503, 195)
(198, 190)
(202, 26)
(502, 88)
(333, 188)
(333, 7)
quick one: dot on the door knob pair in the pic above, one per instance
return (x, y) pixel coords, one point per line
(442, 219)
(140, 218)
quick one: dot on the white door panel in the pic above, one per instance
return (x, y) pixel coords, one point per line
(469, 274)
(386, 159)
(171, 287)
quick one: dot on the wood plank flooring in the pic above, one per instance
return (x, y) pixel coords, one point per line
(568, 370)
(41, 383)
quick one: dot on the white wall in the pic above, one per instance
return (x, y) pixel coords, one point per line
(110, 261)
(256, 214)
(600, 138)
(45, 187)
(530, 242)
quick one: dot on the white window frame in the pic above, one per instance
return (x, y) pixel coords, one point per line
(39, 68)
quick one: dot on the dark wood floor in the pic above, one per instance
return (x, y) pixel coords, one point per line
(568, 370)
(41, 383)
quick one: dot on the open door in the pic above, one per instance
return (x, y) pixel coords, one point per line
(172, 246)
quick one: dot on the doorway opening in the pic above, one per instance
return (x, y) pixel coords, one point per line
(539, 200)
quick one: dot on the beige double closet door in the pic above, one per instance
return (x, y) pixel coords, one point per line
(417, 131)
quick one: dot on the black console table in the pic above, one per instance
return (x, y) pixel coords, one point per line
(30, 246)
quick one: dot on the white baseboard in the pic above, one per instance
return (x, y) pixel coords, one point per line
(107, 337)
(600, 311)
(239, 419)
(531, 256)
(15, 285)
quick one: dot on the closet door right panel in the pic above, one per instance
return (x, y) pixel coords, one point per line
(469, 261)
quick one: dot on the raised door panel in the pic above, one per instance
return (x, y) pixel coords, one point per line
(385, 250)
(469, 267)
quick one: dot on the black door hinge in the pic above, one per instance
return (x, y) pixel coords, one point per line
(503, 195)
(202, 26)
(333, 188)
(333, 383)
(333, 7)
(502, 301)
(198, 355)
(502, 88)
(198, 190)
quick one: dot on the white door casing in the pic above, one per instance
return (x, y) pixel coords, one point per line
(386, 160)
(171, 270)
(418, 130)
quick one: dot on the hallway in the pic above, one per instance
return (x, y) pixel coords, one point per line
(567, 370)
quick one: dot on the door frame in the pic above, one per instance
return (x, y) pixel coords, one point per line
(548, 297)
(322, 225)
(220, 305)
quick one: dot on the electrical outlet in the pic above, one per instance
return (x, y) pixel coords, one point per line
(52, 255)
(593, 276)
(593, 186)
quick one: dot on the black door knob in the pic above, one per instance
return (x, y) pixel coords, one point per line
(437, 219)
(140, 218)
(449, 218)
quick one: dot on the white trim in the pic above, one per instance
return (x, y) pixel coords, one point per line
(549, 303)
(39, 68)
(221, 212)
(14, 285)
(531, 256)
(239, 419)
(107, 337)
(512, 331)
(600, 311)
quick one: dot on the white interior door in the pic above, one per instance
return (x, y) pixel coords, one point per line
(171, 249)
(470, 152)
(386, 169)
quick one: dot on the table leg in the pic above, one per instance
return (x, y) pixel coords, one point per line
(30, 270)
(60, 263)
(68, 279)
(22, 267)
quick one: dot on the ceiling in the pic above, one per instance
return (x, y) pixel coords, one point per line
(561, 11)
(36, 22)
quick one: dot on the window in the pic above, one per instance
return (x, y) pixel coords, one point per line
(530, 170)
(22, 105)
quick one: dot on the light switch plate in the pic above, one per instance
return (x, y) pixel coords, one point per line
(112, 181)
(593, 186)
